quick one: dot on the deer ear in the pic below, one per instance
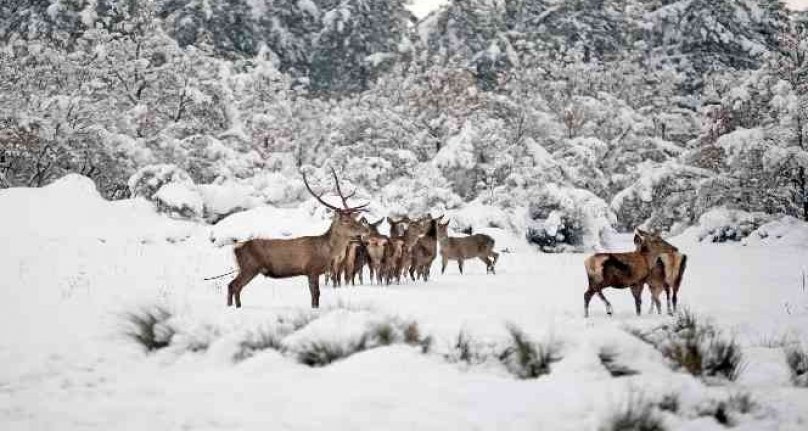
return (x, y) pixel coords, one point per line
(638, 238)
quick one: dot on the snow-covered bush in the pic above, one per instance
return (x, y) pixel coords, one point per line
(180, 200)
(722, 225)
(663, 197)
(149, 179)
(567, 219)
(426, 192)
(785, 231)
(221, 200)
(476, 215)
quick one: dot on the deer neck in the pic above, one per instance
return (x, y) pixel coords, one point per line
(336, 240)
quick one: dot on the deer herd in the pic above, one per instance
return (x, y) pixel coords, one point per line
(351, 243)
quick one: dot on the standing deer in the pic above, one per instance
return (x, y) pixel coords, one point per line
(460, 248)
(398, 227)
(416, 230)
(669, 276)
(375, 245)
(625, 270)
(354, 263)
(304, 256)
(425, 250)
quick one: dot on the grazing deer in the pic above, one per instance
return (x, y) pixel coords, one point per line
(669, 276)
(625, 270)
(304, 256)
(460, 248)
(425, 250)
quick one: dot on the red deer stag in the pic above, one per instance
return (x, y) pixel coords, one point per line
(624, 270)
(425, 250)
(304, 256)
(669, 276)
(460, 248)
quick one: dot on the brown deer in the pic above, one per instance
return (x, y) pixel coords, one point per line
(425, 250)
(393, 254)
(354, 263)
(375, 246)
(416, 230)
(624, 270)
(460, 248)
(669, 276)
(304, 256)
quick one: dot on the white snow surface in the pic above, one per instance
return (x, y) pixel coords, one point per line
(73, 264)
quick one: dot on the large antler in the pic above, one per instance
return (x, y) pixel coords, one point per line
(346, 209)
(345, 198)
(318, 197)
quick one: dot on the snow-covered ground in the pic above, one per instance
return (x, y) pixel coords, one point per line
(72, 265)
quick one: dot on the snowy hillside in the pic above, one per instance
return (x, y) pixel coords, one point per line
(75, 266)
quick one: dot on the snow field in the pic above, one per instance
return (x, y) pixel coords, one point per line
(73, 265)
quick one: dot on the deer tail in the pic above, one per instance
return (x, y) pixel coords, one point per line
(219, 276)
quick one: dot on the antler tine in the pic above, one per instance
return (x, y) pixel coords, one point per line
(344, 198)
(316, 196)
(339, 189)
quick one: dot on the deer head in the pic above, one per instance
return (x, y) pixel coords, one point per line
(652, 241)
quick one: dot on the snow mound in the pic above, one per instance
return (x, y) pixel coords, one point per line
(787, 231)
(180, 200)
(269, 222)
(72, 208)
(722, 224)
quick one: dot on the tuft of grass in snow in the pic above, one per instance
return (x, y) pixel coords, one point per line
(526, 359)
(261, 339)
(608, 356)
(149, 328)
(319, 354)
(669, 403)
(696, 346)
(797, 360)
(725, 411)
(464, 350)
(392, 331)
(636, 415)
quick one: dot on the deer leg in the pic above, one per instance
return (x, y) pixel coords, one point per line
(609, 310)
(460, 265)
(444, 261)
(636, 290)
(314, 290)
(235, 286)
(587, 297)
(675, 299)
(487, 263)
